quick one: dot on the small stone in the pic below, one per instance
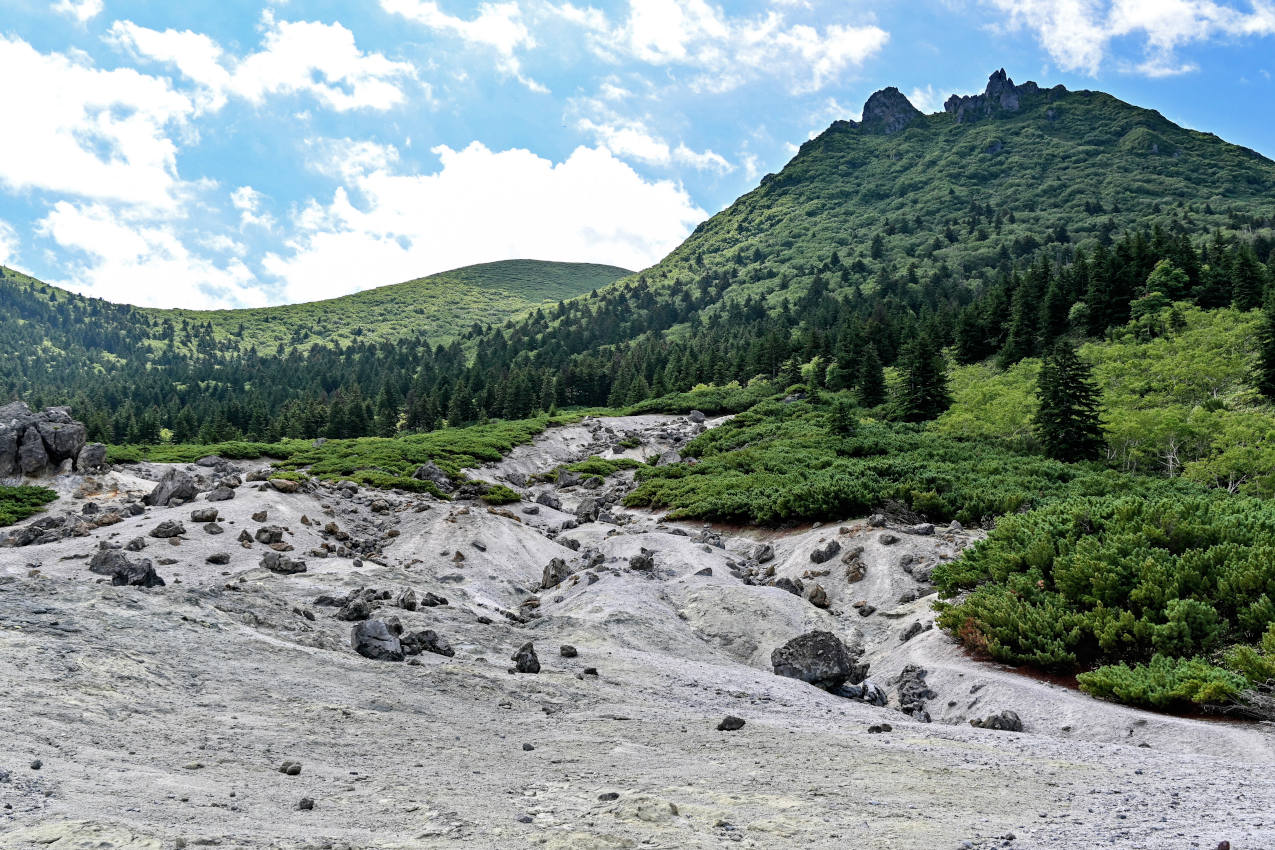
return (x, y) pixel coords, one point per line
(204, 515)
(219, 558)
(568, 651)
(305, 804)
(213, 528)
(608, 796)
(526, 748)
(525, 660)
(259, 516)
(730, 723)
(37, 764)
(878, 728)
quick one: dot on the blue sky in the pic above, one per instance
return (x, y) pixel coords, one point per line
(234, 153)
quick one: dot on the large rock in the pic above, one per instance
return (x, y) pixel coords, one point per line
(1006, 721)
(820, 658)
(139, 574)
(427, 640)
(825, 552)
(38, 443)
(525, 660)
(33, 458)
(431, 472)
(92, 458)
(374, 639)
(888, 111)
(1001, 95)
(168, 528)
(106, 561)
(174, 485)
(277, 562)
(588, 510)
(556, 572)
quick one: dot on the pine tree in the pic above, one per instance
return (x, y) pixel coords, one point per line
(871, 379)
(1067, 423)
(1266, 350)
(922, 391)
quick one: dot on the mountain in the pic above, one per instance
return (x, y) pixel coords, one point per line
(437, 307)
(1010, 219)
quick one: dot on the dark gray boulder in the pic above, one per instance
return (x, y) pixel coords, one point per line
(696, 416)
(1006, 721)
(644, 560)
(825, 552)
(220, 494)
(204, 515)
(431, 472)
(139, 574)
(277, 562)
(373, 639)
(525, 660)
(92, 458)
(33, 458)
(588, 510)
(106, 561)
(175, 484)
(790, 585)
(549, 500)
(820, 658)
(168, 528)
(555, 572)
(426, 640)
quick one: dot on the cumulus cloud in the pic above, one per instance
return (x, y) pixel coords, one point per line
(142, 261)
(1078, 34)
(727, 51)
(633, 140)
(247, 201)
(393, 224)
(81, 10)
(296, 57)
(86, 131)
(497, 26)
(8, 243)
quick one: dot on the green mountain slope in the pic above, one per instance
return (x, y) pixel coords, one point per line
(438, 307)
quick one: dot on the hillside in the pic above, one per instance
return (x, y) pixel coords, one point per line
(438, 307)
(1010, 219)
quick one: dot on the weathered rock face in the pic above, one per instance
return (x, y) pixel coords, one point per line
(173, 486)
(888, 112)
(1001, 95)
(37, 444)
(820, 658)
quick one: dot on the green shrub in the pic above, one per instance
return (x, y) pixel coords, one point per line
(1164, 683)
(1254, 663)
(18, 503)
(499, 494)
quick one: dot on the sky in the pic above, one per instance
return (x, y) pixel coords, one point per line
(227, 153)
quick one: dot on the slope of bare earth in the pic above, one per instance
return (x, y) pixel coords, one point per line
(160, 717)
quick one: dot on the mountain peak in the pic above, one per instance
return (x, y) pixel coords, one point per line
(889, 111)
(1001, 95)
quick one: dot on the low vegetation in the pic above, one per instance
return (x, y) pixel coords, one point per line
(18, 503)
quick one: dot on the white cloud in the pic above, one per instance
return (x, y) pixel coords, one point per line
(248, 201)
(1078, 34)
(926, 99)
(82, 10)
(632, 140)
(296, 57)
(729, 51)
(141, 261)
(498, 27)
(479, 206)
(8, 243)
(85, 131)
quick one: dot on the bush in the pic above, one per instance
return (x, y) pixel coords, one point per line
(1164, 683)
(18, 503)
(499, 494)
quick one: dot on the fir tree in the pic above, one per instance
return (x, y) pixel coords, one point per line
(842, 421)
(871, 379)
(922, 391)
(1067, 423)
(1266, 350)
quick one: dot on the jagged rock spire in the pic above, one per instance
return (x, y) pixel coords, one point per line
(1000, 95)
(888, 111)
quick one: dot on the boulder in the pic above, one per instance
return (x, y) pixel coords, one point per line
(175, 484)
(923, 529)
(588, 510)
(525, 660)
(549, 500)
(669, 458)
(730, 723)
(407, 599)
(431, 472)
(220, 494)
(204, 515)
(33, 458)
(168, 528)
(219, 558)
(825, 552)
(817, 596)
(92, 458)
(106, 561)
(139, 574)
(1006, 721)
(643, 560)
(355, 610)
(38, 443)
(555, 572)
(764, 553)
(373, 639)
(790, 585)
(820, 658)
(427, 640)
(269, 534)
(696, 416)
(277, 562)
(567, 478)
(284, 485)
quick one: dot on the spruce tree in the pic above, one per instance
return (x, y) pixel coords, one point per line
(922, 391)
(842, 421)
(1266, 350)
(871, 379)
(1067, 423)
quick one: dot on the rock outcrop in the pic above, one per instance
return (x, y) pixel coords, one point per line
(37, 444)
(888, 111)
(1001, 95)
